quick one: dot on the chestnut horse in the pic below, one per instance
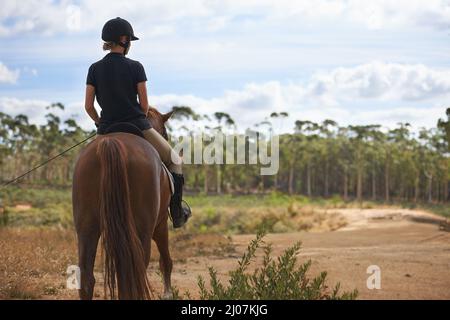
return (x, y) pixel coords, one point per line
(121, 194)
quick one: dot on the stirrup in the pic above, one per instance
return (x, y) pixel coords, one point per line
(186, 209)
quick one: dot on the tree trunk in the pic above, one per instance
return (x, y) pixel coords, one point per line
(345, 183)
(291, 179)
(430, 188)
(416, 189)
(446, 191)
(308, 179)
(401, 192)
(359, 184)
(196, 186)
(275, 182)
(219, 179)
(326, 179)
(446, 181)
(386, 181)
(205, 182)
(374, 185)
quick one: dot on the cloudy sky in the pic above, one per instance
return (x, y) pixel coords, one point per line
(357, 62)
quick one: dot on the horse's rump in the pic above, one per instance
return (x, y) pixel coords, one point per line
(119, 188)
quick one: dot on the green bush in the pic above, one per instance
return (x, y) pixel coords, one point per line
(279, 279)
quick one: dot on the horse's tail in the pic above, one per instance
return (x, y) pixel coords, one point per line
(122, 249)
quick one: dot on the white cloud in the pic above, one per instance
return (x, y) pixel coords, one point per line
(49, 17)
(36, 110)
(382, 81)
(7, 75)
(33, 109)
(38, 16)
(348, 95)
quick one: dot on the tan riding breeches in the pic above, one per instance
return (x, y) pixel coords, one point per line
(167, 154)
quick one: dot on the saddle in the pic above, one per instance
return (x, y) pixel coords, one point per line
(127, 127)
(124, 127)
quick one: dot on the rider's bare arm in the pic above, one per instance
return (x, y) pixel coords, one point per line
(142, 94)
(89, 103)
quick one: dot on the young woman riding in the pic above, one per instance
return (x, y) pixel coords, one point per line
(118, 82)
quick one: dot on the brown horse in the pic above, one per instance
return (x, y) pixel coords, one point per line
(121, 194)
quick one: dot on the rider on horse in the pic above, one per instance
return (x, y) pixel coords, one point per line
(117, 82)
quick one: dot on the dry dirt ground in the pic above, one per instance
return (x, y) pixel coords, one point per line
(411, 248)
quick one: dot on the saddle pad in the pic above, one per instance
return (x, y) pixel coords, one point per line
(169, 175)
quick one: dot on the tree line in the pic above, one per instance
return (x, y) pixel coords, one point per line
(316, 159)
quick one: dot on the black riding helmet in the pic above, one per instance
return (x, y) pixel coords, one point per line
(114, 28)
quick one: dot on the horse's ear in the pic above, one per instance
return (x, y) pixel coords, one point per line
(167, 116)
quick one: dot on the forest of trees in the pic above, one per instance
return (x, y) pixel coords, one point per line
(316, 159)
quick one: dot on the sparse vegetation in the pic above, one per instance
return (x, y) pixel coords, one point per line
(226, 214)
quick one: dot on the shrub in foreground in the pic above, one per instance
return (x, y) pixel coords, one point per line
(276, 279)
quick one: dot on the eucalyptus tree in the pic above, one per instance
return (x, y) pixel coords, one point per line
(223, 121)
(5, 144)
(304, 148)
(344, 159)
(402, 159)
(359, 136)
(373, 154)
(438, 144)
(279, 117)
(445, 126)
(326, 150)
(187, 120)
(428, 158)
(72, 134)
(23, 147)
(265, 133)
(50, 142)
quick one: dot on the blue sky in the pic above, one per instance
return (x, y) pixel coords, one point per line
(353, 61)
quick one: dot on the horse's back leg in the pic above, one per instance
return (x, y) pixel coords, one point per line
(87, 248)
(161, 237)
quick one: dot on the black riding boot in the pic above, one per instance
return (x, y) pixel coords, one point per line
(179, 213)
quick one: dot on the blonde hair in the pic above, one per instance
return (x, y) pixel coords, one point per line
(109, 45)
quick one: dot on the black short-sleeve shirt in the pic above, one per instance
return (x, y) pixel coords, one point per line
(115, 79)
